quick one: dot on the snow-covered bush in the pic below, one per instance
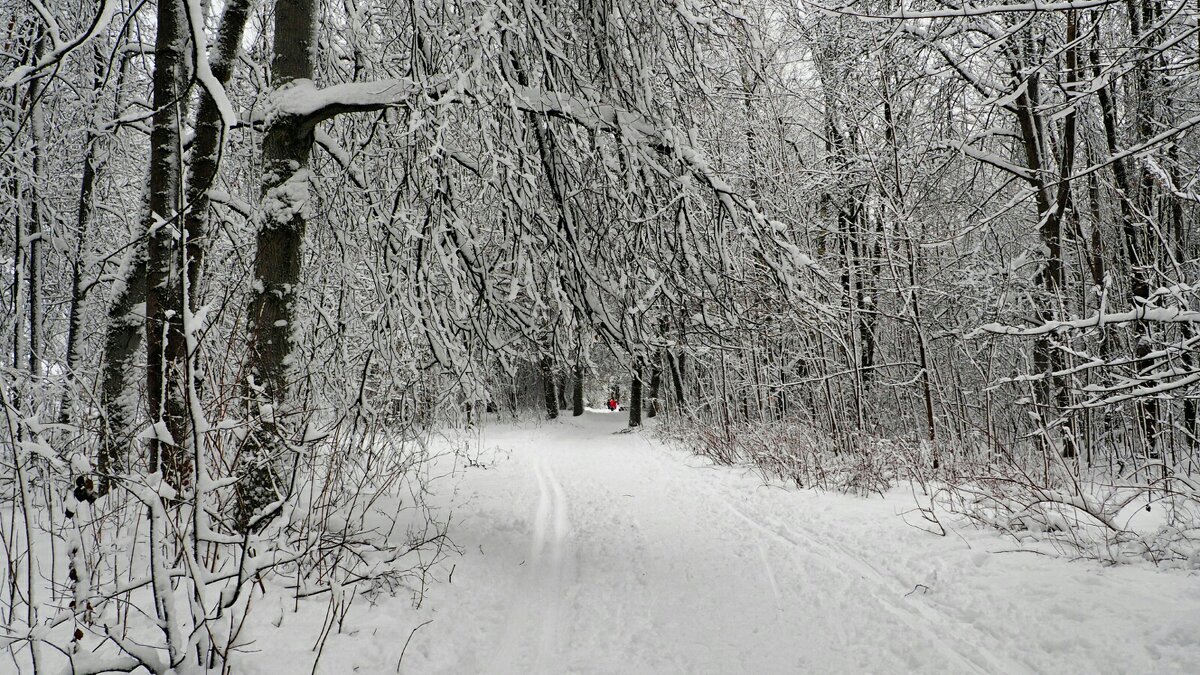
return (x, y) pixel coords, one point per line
(147, 577)
(1115, 519)
(802, 455)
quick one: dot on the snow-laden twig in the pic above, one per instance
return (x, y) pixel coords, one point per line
(966, 10)
(61, 48)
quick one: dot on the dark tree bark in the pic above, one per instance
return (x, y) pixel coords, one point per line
(287, 145)
(163, 340)
(1136, 248)
(83, 221)
(562, 392)
(676, 365)
(551, 397)
(635, 394)
(577, 392)
(26, 264)
(205, 159)
(37, 122)
(118, 392)
(18, 277)
(206, 146)
(1051, 205)
(19, 263)
(655, 386)
(1142, 29)
(124, 331)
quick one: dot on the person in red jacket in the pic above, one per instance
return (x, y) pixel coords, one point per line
(612, 404)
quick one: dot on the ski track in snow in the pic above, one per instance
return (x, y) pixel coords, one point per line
(554, 565)
(911, 615)
(589, 551)
(770, 572)
(538, 605)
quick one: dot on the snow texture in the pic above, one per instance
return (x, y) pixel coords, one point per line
(589, 551)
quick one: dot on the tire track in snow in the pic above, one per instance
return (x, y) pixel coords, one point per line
(921, 619)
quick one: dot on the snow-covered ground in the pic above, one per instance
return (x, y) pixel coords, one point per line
(591, 551)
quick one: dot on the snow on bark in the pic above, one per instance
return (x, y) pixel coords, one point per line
(302, 98)
(290, 198)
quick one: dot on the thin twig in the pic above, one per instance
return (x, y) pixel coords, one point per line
(410, 637)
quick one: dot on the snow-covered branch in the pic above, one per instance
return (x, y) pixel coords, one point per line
(61, 49)
(1149, 313)
(967, 10)
(303, 100)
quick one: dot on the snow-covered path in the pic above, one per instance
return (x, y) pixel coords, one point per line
(589, 551)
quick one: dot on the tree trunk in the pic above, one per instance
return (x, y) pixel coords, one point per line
(163, 342)
(118, 393)
(655, 385)
(209, 132)
(24, 227)
(914, 305)
(577, 392)
(676, 366)
(1146, 123)
(551, 397)
(1050, 209)
(206, 146)
(635, 394)
(122, 340)
(287, 145)
(19, 267)
(1138, 257)
(83, 221)
(36, 234)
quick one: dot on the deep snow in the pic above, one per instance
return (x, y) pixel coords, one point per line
(586, 550)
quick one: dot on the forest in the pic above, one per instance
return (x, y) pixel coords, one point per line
(254, 253)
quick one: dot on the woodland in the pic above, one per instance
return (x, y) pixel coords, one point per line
(253, 252)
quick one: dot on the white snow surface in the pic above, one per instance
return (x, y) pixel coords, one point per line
(591, 551)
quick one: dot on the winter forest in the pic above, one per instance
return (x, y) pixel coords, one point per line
(304, 301)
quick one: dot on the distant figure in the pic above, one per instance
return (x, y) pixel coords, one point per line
(612, 405)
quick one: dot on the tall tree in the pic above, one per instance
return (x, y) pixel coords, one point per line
(164, 398)
(284, 211)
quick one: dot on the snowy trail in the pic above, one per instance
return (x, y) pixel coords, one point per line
(538, 602)
(551, 572)
(591, 551)
(935, 629)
